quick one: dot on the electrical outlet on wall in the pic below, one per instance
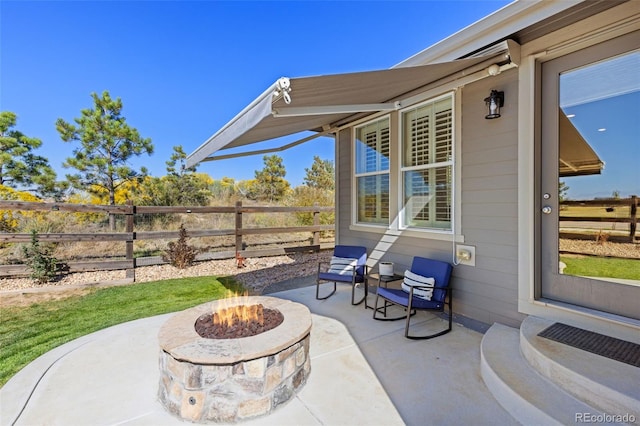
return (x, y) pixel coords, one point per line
(466, 255)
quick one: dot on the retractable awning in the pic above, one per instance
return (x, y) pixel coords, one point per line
(576, 157)
(320, 103)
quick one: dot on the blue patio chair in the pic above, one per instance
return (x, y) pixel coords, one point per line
(426, 287)
(348, 265)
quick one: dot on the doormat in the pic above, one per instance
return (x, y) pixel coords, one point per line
(599, 344)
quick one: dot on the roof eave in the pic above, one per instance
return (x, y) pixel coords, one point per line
(494, 27)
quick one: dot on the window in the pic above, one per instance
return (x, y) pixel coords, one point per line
(372, 172)
(427, 165)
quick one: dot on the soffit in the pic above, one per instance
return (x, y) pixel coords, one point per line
(563, 19)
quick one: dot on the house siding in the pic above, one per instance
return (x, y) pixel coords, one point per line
(343, 186)
(488, 291)
(489, 179)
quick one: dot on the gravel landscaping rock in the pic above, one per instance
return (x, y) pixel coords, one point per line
(257, 274)
(609, 249)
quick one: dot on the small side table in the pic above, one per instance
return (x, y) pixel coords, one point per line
(383, 279)
(386, 279)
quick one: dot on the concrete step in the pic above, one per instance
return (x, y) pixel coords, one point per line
(609, 386)
(528, 396)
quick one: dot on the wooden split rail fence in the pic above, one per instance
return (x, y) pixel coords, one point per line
(608, 206)
(129, 263)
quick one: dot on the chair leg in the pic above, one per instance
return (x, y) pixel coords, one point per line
(406, 325)
(335, 287)
(353, 294)
(377, 309)
(430, 336)
(450, 311)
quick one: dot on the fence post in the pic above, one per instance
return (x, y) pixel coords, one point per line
(239, 258)
(129, 216)
(634, 218)
(316, 222)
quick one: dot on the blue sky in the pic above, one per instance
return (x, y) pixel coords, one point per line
(602, 101)
(183, 69)
(610, 126)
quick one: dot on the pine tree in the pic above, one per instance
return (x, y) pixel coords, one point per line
(271, 184)
(107, 143)
(19, 166)
(321, 175)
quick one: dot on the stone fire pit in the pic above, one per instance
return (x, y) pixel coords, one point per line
(231, 380)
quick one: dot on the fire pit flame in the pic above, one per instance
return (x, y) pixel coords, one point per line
(237, 317)
(229, 316)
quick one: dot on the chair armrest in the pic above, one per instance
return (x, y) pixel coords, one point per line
(444, 289)
(320, 264)
(353, 268)
(430, 287)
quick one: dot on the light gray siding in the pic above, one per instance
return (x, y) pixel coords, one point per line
(487, 292)
(343, 187)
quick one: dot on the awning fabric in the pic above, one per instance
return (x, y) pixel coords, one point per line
(577, 158)
(332, 97)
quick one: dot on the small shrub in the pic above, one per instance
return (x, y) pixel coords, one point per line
(6, 224)
(602, 237)
(44, 267)
(180, 254)
(305, 196)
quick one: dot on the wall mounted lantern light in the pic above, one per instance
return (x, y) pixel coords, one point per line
(494, 102)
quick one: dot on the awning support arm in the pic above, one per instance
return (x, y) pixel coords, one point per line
(280, 88)
(267, 150)
(334, 109)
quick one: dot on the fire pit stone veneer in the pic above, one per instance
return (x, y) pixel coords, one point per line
(230, 380)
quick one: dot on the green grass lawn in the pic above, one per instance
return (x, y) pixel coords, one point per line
(591, 266)
(28, 332)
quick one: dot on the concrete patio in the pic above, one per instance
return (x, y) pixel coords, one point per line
(363, 372)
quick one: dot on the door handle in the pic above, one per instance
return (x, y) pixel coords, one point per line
(546, 210)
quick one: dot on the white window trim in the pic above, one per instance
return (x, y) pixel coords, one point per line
(355, 175)
(400, 182)
(395, 175)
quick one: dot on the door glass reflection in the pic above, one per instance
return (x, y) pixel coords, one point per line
(599, 161)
